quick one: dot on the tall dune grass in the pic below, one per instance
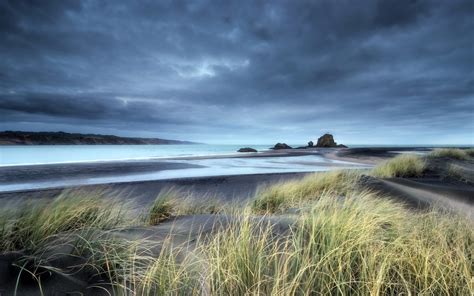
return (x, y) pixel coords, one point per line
(362, 245)
(405, 165)
(453, 153)
(32, 223)
(136, 268)
(359, 245)
(174, 202)
(288, 194)
(470, 152)
(347, 241)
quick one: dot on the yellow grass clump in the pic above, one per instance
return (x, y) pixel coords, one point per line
(405, 165)
(359, 245)
(32, 223)
(173, 202)
(362, 245)
(453, 153)
(288, 194)
(347, 241)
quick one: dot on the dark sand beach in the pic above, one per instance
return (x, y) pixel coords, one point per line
(238, 187)
(76, 175)
(418, 192)
(434, 188)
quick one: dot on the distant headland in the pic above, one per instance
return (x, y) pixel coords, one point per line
(62, 138)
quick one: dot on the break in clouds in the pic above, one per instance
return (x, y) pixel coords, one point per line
(370, 72)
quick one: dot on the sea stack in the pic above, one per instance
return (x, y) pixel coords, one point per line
(279, 146)
(327, 141)
(247, 149)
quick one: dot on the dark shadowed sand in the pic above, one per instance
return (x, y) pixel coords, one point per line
(47, 172)
(198, 171)
(418, 193)
(237, 187)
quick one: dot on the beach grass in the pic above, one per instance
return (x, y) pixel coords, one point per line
(453, 153)
(163, 207)
(405, 165)
(359, 245)
(282, 196)
(470, 152)
(172, 202)
(34, 222)
(345, 240)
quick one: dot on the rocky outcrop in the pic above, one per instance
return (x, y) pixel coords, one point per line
(279, 146)
(327, 141)
(246, 149)
(310, 144)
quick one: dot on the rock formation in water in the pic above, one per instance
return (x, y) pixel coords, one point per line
(279, 146)
(246, 149)
(327, 141)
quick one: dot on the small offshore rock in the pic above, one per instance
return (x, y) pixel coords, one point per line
(279, 146)
(246, 149)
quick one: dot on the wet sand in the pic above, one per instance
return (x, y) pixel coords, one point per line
(39, 177)
(239, 187)
(35, 173)
(418, 193)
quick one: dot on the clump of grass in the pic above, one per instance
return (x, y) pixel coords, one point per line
(174, 271)
(282, 196)
(405, 165)
(470, 152)
(172, 202)
(360, 245)
(142, 267)
(34, 222)
(241, 260)
(162, 208)
(456, 172)
(451, 153)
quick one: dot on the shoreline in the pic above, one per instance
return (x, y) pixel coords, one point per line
(47, 176)
(230, 187)
(330, 152)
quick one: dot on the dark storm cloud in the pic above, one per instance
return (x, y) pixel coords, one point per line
(239, 71)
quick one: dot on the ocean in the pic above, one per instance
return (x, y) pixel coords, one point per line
(50, 154)
(20, 164)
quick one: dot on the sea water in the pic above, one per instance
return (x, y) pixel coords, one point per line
(55, 154)
(13, 156)
(49, 154)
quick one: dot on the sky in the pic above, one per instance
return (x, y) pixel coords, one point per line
(369, 72)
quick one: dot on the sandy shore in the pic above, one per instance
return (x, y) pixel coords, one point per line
(27, 177)
(417, 192)
(34, 173)
(237, 187)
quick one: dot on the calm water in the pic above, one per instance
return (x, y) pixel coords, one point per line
(12, 156)
(208, 167)
(47, 154)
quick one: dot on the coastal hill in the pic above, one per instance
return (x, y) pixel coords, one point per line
(62, 138)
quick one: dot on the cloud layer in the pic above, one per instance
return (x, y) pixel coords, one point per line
(241, 71)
